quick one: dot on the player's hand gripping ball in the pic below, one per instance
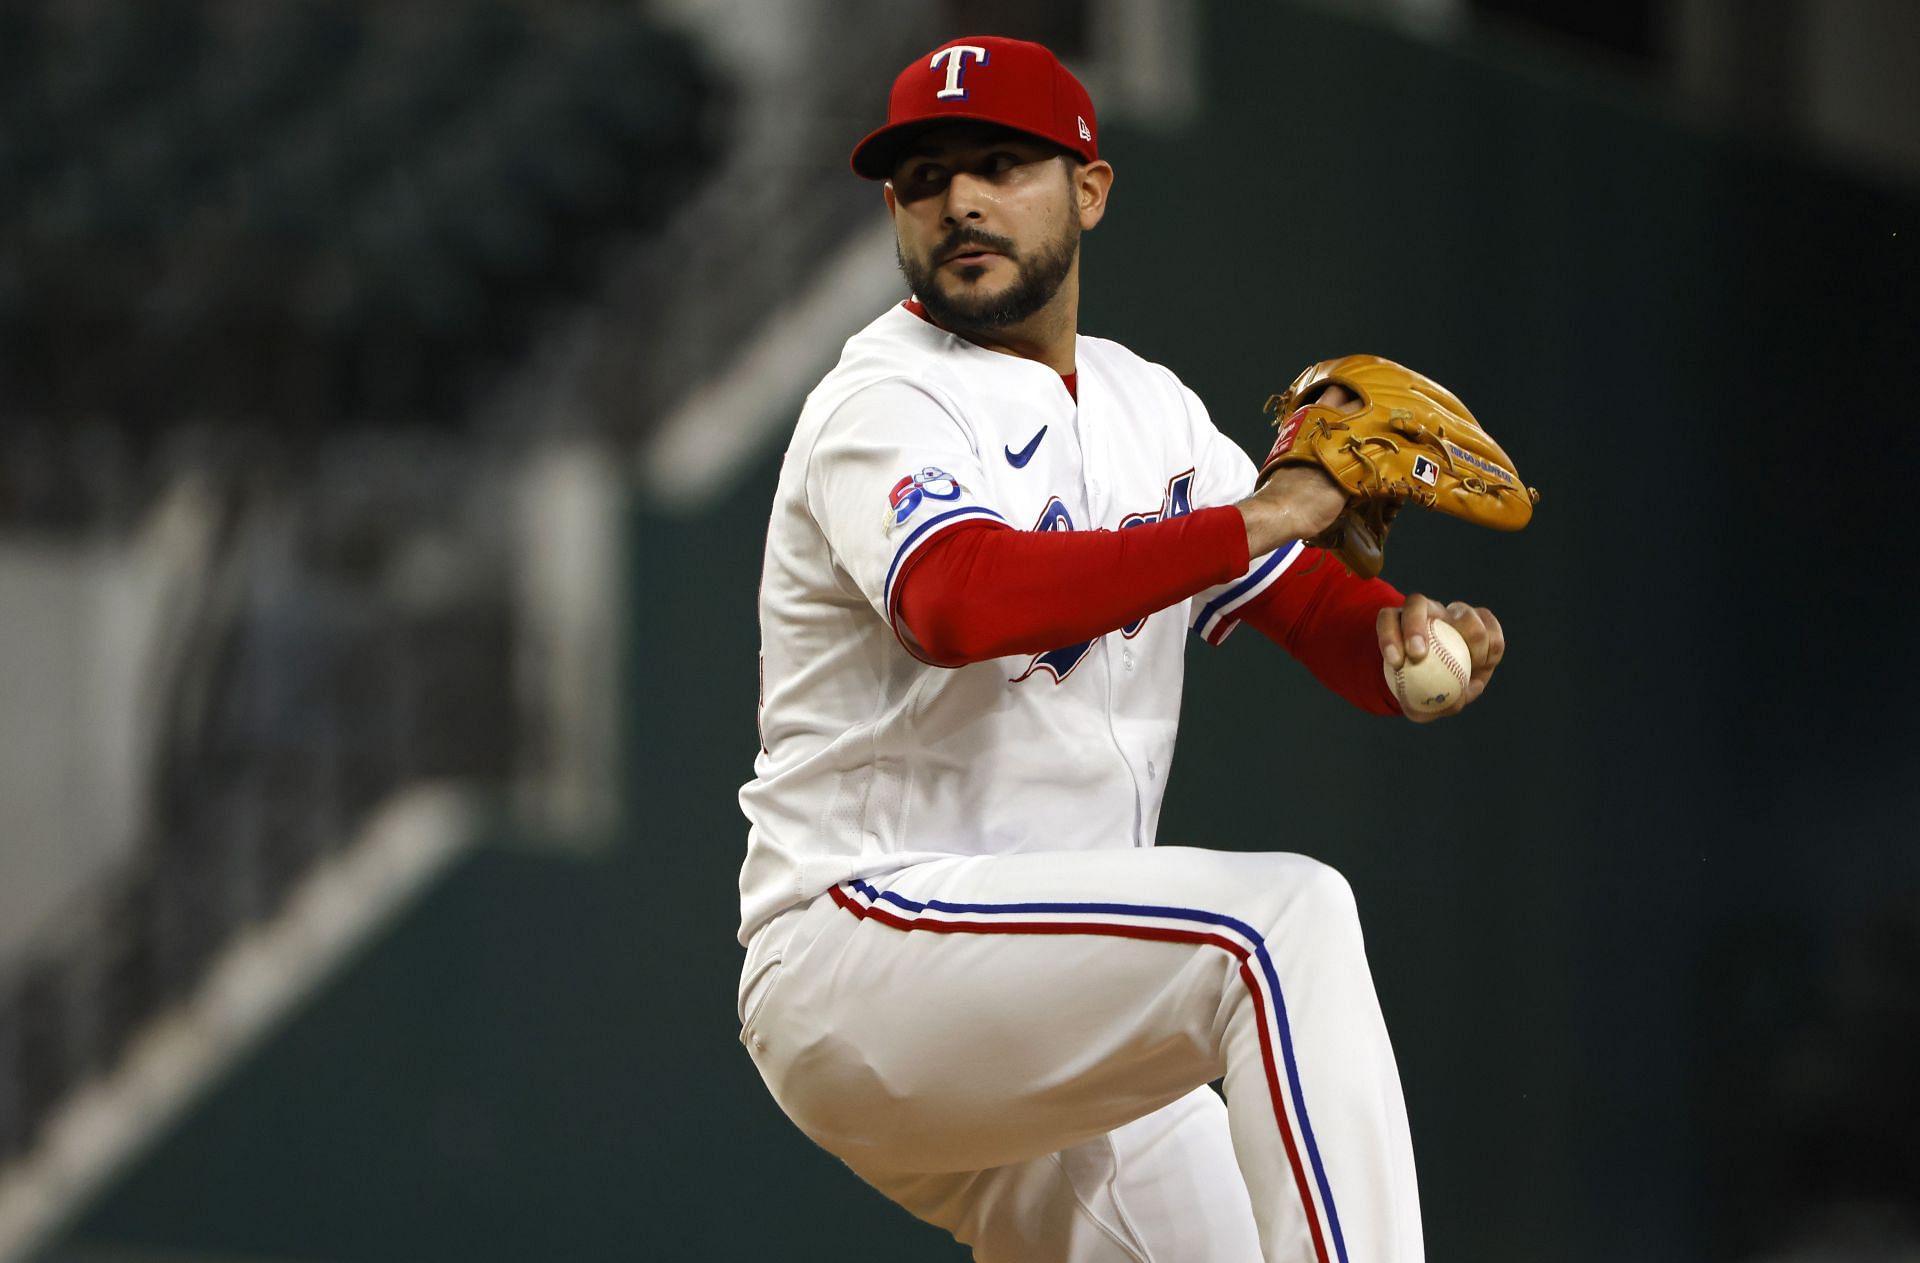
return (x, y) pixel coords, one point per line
(1439, 680)
(1438, 658)
(1410, 440)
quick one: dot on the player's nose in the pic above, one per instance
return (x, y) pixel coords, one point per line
(967, 197)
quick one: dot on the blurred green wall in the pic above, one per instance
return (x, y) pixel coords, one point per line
(1581, 898)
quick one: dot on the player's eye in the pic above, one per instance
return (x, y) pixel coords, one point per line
(917, 180)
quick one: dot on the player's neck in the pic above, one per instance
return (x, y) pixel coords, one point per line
(1046, 336)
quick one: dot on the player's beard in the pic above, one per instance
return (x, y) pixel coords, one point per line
(1037, 278)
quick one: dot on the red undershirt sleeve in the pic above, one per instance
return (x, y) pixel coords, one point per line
(1323, 615)
(981, 590)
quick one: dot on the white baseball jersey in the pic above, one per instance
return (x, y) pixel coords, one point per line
(872, 759)
(977, 986)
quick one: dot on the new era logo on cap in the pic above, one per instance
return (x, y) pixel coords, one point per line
(986, 79)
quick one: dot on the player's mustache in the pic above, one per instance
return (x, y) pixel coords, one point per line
(973, 237)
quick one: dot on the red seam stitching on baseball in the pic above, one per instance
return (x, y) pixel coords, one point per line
(1453, 663)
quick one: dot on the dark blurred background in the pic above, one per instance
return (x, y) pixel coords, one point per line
(390, 399)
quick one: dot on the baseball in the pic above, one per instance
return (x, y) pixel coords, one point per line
(1437, 680)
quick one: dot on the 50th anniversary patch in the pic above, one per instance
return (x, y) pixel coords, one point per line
(911, 491)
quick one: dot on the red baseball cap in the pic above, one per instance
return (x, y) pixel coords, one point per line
(987, 79)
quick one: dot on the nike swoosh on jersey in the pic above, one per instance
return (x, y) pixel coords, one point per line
(1020, 458)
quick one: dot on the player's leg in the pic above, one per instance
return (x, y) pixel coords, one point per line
(974, 1014)
(1161, 1189)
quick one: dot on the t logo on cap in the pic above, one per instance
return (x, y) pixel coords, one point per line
(956, 58)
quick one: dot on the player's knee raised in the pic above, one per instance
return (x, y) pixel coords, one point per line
(1322, 894)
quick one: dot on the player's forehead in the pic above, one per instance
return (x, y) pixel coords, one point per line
(952, 140)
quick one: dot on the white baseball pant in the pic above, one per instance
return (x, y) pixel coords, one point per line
(1017, 1048)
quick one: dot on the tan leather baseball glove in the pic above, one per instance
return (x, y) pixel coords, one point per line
(1411, 440)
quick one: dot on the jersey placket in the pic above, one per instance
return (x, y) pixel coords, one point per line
(1098, 471)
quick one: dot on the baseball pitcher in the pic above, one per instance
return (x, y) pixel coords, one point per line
(970, 974)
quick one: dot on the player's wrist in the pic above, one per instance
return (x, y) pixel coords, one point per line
(1294, 503)
(1268, 522)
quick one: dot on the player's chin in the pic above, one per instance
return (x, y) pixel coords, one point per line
(977, 280)
(976, 295)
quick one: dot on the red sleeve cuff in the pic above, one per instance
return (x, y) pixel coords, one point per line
(1324, 616)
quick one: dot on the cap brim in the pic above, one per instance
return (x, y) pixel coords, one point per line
(875, 157)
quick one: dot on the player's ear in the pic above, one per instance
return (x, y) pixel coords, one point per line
(886, 192)
(1091, 184)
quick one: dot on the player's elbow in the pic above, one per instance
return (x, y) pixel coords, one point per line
(943, 634)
